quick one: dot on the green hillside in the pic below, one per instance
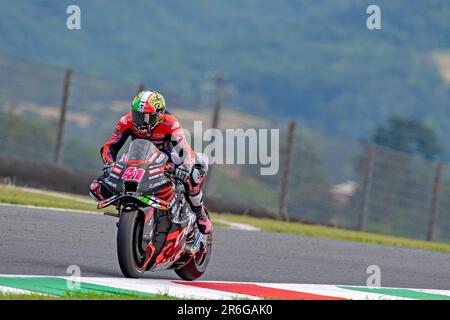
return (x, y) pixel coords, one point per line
(311, 60)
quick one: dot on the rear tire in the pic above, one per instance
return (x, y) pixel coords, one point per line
(129, 244)
(196, 267)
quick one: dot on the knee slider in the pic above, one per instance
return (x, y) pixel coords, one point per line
(196, 200)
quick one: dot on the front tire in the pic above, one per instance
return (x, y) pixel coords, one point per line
(129, 244)
(196, 267)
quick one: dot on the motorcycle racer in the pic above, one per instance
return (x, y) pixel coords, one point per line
(149, 119)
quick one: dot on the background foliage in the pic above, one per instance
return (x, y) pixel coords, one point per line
(310, 60)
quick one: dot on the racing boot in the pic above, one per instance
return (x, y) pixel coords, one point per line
(98, 192)
(203, 221)
(95, 191)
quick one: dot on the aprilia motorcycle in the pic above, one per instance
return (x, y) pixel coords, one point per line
(157, 229)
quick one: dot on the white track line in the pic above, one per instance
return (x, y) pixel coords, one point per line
(154, 286)
(332, 291)
(237, 226)
(232, 225)
(49, 208)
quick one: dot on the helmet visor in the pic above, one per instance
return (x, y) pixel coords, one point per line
(144, 119)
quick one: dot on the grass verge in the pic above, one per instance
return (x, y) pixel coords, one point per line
(317, 231)
(21, 196)
(83, 296)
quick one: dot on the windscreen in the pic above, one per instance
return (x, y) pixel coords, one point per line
(141, 149)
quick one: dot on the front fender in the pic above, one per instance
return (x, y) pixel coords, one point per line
(136, 199)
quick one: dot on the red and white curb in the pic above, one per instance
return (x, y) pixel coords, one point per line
(216, 289)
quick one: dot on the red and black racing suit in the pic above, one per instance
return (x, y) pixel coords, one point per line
(166, 135)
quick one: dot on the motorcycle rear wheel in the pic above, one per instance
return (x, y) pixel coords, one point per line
(196, 267)
(129, 244)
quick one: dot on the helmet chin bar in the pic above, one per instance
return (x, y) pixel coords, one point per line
(142, 128)
(145, 128)
(141, 122)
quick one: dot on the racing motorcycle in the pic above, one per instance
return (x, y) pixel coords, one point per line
(157, 229)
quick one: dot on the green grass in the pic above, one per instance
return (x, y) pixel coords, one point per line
(12, 195)
(19, 196)
(84, 296)
(317, 231)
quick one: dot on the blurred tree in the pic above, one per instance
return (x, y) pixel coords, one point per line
(401, 183)
(26, 137)
(408, 135)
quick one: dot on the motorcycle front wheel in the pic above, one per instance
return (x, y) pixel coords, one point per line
(129, 244)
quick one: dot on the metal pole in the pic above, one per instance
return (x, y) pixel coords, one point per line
(140, 88)
(58, 157)
(434, 202)
(218, 101)
(367, 184)
(283, 212)
(219, 88)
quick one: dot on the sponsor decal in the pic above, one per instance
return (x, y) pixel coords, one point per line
(172, 202)
(153, 166)
(114, 176)
(117, 130)
(116, 169)
(158, 184)
(174, 208)
(159, 175)
(124, 120)
(175, 125)
(114, 185)
(160, 158)
(157, 170)
(153, 157)
(142, 131)
(133, 173)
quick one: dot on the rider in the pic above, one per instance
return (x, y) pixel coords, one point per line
(150, 120)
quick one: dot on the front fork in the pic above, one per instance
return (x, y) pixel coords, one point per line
(196, 244)
(147, 233)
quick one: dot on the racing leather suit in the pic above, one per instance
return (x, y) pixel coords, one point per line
(167, 135)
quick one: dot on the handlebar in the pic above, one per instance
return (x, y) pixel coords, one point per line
(170, 168)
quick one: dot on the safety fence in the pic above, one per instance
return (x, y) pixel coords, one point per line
(54, 115)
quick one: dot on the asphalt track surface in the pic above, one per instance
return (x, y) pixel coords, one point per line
(44, 242)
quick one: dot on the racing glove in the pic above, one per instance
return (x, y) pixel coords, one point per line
(183, 172)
